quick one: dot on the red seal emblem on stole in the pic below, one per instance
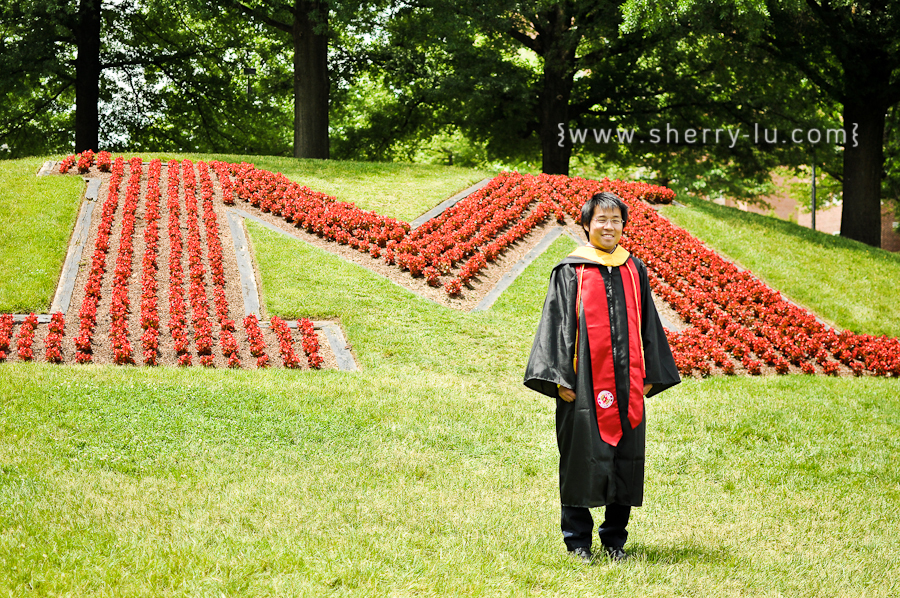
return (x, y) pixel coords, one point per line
(605, 399)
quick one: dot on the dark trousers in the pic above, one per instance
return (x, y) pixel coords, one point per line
(578, 525)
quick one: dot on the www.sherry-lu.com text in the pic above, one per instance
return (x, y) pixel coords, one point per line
(703, 136)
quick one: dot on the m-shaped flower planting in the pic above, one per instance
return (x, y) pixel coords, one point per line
(736, 323)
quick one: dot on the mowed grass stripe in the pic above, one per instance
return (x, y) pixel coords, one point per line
(37, 215)
(147, 482)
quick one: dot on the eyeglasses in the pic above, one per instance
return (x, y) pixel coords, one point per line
(616, 222)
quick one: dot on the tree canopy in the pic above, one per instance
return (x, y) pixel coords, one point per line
(849, 50)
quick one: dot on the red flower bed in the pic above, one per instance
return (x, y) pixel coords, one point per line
(214, 248)
(85, 161)
(6, 328)
(310, 343)
(193, 229)
(92, 289)
(230, 349)
(150, 268)
(737, 313)
(53, 342)
(67, 163)
(736, 321)
(318, 213)
(104, 161)
(25, 338)
(118, 329)
(177, 323)
(256, 341)
(480, 228)
(216, 261)
(285, 343)
(224, 176)
(735, 316)
(474, 231)
(203, 337)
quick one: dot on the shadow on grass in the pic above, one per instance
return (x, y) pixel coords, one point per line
(825, 240)
(668, 555)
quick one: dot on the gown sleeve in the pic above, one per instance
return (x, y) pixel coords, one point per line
(550, 362)
(662, 372)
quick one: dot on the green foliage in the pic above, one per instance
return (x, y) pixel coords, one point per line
(890, 188)
(846, 51)
(172, 80)
(729, 97)
(828, 190)
(475, 73)
(433, 75)
(36, 85)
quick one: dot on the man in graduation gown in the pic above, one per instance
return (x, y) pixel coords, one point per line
(599, 350)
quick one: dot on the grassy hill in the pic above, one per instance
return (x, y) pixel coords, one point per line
(432, 471)
(845, 282)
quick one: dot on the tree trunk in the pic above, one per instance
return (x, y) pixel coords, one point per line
(311, 81)
(863, 165)
(559, 73)
(555, 150)
(87, 76)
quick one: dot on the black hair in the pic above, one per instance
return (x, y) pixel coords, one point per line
(604, 201)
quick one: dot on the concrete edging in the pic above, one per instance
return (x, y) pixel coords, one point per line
(507, 279)
(66, 285)
(245, 264)
(332, 331)
(46, 169)
(447, 203)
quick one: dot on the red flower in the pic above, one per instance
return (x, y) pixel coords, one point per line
(453, 287)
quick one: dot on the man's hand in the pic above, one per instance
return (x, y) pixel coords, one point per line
(566, 394)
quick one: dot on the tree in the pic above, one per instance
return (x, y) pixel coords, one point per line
(208, 82)
(155, 76)
(36, 43)
(60, 44)
(848, 49)
(506, 72)
(307, 24)
(583, 60)
(512, 76)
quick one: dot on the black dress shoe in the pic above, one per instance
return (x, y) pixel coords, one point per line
(615, 553)
(582, 553)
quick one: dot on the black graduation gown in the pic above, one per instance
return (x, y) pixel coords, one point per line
(593, 473)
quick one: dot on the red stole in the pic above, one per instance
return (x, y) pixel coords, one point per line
(596, 316)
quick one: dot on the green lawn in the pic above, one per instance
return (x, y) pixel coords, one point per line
(398, 190)
(37, 216)
(431, 472)
(847, 283)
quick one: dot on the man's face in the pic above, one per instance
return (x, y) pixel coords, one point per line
(605, 228)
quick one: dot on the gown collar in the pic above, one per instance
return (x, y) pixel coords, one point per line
(588, 252)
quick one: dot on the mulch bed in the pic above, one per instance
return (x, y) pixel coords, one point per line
(102, 351)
